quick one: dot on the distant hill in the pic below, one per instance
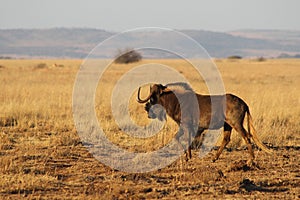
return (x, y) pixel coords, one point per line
(56, 42)
(284, 42)
(78, 42)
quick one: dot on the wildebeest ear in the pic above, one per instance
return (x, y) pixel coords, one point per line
(165, 89)
(161, 88)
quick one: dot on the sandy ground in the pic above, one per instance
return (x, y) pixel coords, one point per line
(68, 171)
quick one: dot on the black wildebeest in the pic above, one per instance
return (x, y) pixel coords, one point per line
(228, 115)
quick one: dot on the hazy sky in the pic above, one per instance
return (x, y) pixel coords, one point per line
(113, 15)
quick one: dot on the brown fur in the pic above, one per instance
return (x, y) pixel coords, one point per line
(229, 115)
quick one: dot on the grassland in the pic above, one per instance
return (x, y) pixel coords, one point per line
(41, 155)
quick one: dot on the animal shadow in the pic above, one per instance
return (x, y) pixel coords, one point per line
(249, 186)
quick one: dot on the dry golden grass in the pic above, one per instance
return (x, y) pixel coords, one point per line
(270, 89)
(38, 140)
(38, 93)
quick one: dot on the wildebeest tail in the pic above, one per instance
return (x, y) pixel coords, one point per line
(252, 132)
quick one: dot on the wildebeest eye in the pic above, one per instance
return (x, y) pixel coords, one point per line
(152, 100)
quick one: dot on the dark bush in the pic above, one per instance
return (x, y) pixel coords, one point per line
(261, 59)
(41, 66)
(235, 57)
(128, 56)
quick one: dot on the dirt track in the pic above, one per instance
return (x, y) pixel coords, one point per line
(69, 171)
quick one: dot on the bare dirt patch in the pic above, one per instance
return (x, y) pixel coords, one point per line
(68, 171)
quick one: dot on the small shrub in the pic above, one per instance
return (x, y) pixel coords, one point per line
(235, 57)
(128, 56)
(41, 66)
(58, 65)
(261, 59)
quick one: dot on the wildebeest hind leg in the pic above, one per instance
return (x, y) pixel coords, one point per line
(246, 136)
(226, 140)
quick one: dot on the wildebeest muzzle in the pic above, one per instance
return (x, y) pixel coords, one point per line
(155, 111)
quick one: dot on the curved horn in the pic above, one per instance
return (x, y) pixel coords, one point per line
(139, 99)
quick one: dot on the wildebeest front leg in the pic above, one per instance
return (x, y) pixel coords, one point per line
(183, 137)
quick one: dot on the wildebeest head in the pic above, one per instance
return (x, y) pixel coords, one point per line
(153, 107)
